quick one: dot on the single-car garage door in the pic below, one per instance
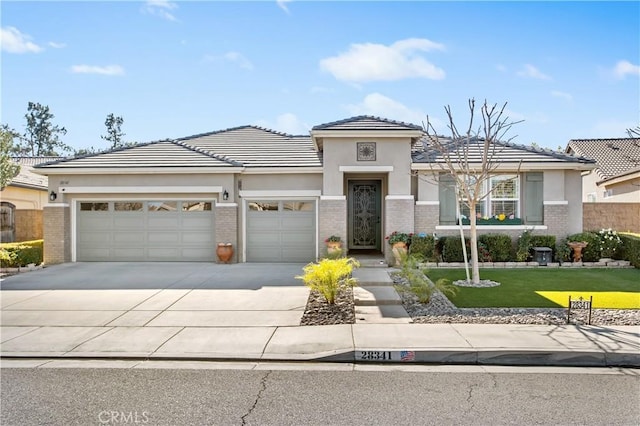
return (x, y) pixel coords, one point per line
(281, 231)
(145, 231)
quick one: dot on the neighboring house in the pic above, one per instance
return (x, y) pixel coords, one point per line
(277, 197)
(610, 192)
(616, 178)
(22, 201)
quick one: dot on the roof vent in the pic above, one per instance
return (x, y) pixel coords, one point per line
(612, 146)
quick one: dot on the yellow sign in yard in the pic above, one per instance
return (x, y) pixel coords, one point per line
(601, 299)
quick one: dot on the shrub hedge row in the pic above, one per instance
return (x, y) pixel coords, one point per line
(501, 248)
(13, 255)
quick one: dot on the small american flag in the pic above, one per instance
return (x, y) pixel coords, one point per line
(407, 356)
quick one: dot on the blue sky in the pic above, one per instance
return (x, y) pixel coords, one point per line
(173, 69)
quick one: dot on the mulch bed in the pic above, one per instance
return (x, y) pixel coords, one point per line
(319, 312)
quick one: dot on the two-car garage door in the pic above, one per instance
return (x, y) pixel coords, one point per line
(145, 231)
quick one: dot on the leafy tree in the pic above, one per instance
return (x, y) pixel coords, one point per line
(8, 169)
(114, 131)
(470, 176)
(42, 137)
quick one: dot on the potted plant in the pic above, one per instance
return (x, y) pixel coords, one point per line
(334, 244)
(399, 242)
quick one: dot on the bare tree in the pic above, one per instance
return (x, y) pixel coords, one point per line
(471, 158)
(634, 132)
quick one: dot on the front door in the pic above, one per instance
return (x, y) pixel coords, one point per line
(364, 211)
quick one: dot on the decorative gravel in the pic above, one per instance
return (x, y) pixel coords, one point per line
(319, 312)
(441, 310)
(481, 284)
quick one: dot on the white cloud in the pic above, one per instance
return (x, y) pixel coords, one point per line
(282, 4)
(160, 8)
(624, 68)
(93, 69)
(377, 62)
(562, 95)
(57, 45)
(13, 41)
(379, 105)
(286, 123)
(529, 71)
(232, 57)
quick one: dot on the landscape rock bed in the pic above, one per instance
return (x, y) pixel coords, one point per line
(441, 310)
(319, 312)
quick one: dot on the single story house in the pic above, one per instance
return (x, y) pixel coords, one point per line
(22, 201)
(277, 197)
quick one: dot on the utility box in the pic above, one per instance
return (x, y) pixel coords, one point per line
(542, 255)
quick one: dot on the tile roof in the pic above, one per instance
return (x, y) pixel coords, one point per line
(258, 147)
(506, 152)
(149, 155)
(367, 122)
(613, 156)
(26, 177)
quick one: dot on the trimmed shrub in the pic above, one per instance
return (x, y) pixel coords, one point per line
(330, 276)
(423, 247)
(631, 249)
(499, 246)
(13, 255)
(452, 249)
(591, 253)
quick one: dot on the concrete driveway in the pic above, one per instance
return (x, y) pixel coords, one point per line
(154, 295)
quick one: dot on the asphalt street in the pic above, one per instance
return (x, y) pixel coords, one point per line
(171, 396)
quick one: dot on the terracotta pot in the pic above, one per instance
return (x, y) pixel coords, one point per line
(577, 247)
(333, 246)
(399, 249)
(224, 252)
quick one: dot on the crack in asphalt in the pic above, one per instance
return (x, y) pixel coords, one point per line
(263, 387)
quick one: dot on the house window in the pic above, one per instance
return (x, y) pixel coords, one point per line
(503, 198)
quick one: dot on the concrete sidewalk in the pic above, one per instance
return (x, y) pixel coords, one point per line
(566, 345)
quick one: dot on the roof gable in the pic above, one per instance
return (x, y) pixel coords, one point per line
(168, 154)
(258, 147)
(613, 156)
(367, 122)
(26, 178)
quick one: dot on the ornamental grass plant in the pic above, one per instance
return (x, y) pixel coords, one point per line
(330, 276)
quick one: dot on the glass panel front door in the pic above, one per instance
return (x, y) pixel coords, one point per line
(364, 214)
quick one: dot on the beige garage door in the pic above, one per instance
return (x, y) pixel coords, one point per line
(145, 231)
(281, 231)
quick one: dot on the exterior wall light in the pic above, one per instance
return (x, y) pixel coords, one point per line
(225, 195)
(52, 196)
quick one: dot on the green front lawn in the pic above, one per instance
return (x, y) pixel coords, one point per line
(521, 288)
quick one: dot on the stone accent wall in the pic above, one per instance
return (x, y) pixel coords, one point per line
(57, 234)
(28, 225)
(622, 217)
(332, 220)
(556, 217)
(226, 227)
(426, 218)
(399, 216)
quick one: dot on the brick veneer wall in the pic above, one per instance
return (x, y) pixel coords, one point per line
(226, 227)
(332, 220)
(556, 217)
(623, 217)
(426, 218)
(29, 225)
(399, 216)
(57, 234)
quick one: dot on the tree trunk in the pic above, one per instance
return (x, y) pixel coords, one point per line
(475, 268)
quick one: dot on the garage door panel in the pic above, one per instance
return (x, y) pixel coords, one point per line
(297, 239)
(297, 254)
(204, 237)
(144, 234)
(128, 237)
(298, 223)
(162, 222)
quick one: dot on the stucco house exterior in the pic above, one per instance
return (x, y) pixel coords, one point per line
(277, 197)
(22, 201)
